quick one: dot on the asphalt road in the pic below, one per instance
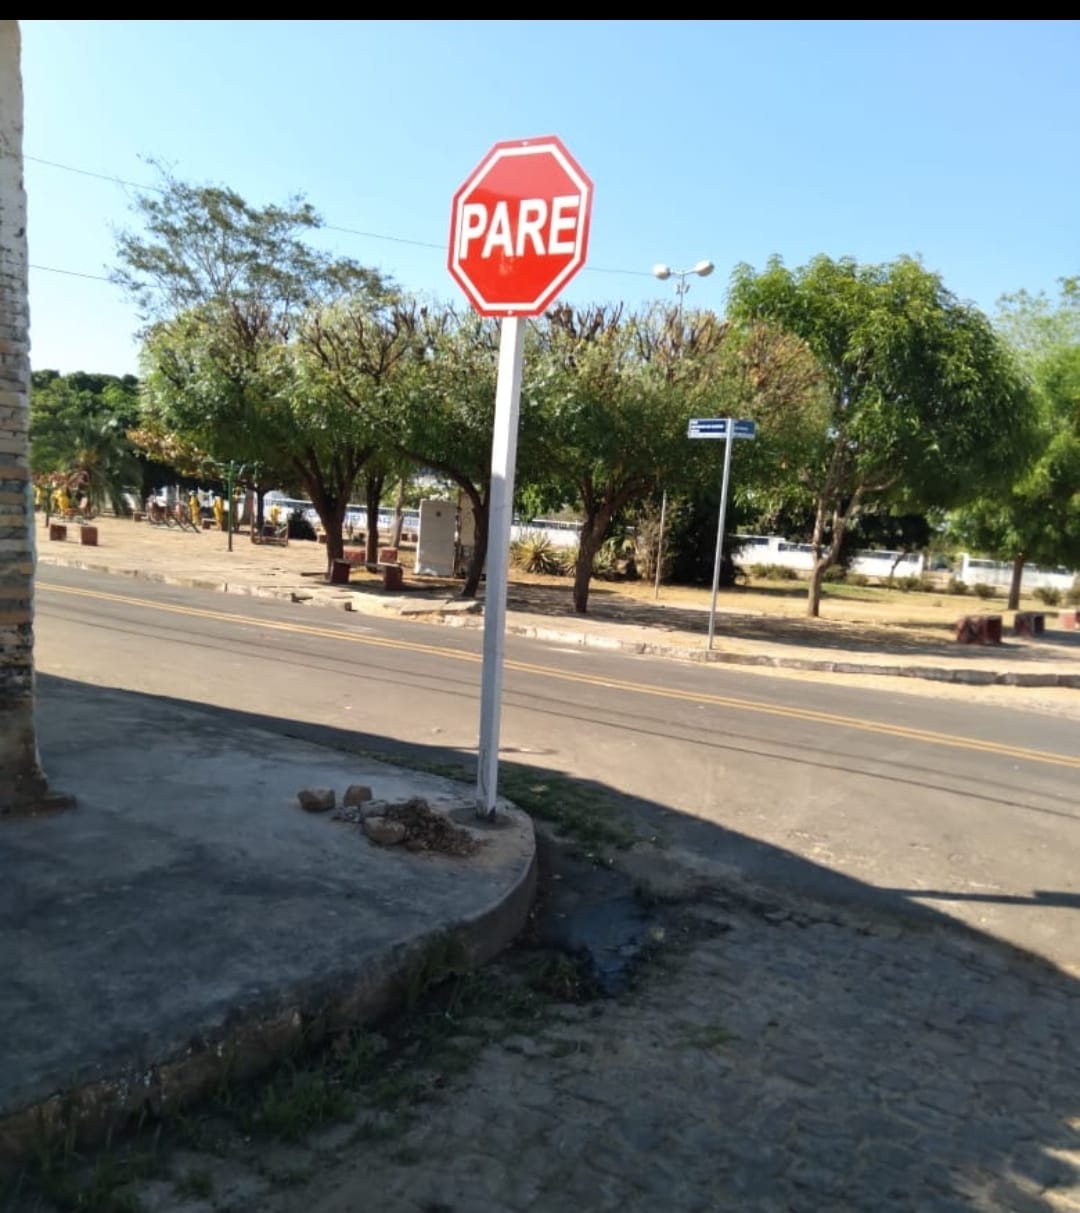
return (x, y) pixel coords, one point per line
(813, 786)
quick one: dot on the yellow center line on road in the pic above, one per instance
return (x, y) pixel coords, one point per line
(810, 715)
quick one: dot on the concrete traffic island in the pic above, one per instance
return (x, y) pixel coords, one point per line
(192, 920)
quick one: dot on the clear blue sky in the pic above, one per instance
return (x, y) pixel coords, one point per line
(952, 141)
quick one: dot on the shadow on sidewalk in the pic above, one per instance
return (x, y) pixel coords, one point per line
(962, 1047)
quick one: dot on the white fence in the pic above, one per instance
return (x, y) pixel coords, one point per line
(771, 549)
(974, 571)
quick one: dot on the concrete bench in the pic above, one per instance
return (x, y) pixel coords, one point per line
(979, 629)
(1029, 623)
(393, 573)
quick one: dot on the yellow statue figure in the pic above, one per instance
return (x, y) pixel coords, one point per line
(194, 511)
(62, 500)
(275, 515)
(219, 513)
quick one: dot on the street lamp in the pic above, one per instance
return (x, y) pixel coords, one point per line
(702, 269)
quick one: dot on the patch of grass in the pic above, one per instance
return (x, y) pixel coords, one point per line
(590, 816)
(562, 977)
(381, 1128)
(394, 1090)
(444, 957)
(196, 1183)
(69, 1185)
(296, 1101)
(57, 1176)
(356, 1053)
(982, 590)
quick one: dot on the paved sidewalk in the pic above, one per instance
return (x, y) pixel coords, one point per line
(189, 915)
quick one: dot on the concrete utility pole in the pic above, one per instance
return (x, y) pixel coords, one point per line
(23, 788)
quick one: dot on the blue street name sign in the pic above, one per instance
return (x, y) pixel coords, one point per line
(717, 427)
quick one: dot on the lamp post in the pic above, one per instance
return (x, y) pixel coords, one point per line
(702, 269)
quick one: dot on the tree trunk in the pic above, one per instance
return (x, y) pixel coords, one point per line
(480, 544)
(373, 487)
(22, 783)
(817, 580)
(1019, 560)
(589, 542)
(399, 515)
(331, 508)
(332, 518)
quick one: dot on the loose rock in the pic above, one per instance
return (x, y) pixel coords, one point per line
(383, 831)
(316, 800)
(356, 794)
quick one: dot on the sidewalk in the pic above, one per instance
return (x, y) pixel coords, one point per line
(296, 573)
(190, 917)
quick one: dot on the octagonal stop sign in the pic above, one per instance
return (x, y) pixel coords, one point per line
(519, 227)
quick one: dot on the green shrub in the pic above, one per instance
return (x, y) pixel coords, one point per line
(1072, 596)
(907, 584)
(835, 573)
(773, 572)
(537, 554)
(300, 527)
(857, 579)
(956, 586)
(982, 590)
(1048, 595)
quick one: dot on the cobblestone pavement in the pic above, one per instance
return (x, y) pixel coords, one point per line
(763, 1060)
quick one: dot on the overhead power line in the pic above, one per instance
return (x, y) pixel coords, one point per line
(330, 227)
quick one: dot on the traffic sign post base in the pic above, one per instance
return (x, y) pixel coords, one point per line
(500, 516)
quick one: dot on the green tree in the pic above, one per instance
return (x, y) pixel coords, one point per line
(351, 358)
(437, 408)
(224, 288)
(616, 395)
(1036, 517)
(79, 429)
(926, 404)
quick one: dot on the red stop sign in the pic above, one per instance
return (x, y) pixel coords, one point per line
(519, 227)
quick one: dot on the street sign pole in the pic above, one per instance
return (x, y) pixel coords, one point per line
(728, 426)
(500, 517)
(519, 231)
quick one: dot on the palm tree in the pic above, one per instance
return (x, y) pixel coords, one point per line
(105, 462)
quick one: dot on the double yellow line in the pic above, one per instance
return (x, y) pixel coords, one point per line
(811, 715)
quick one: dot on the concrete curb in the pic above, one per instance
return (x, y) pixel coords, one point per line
(471, 615)
(933, 673)
(257, 1036)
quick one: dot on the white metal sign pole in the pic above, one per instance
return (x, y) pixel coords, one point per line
(728, 426)
(500, 516)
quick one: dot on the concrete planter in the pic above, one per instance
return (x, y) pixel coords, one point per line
(57, 530)
(88, 536)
